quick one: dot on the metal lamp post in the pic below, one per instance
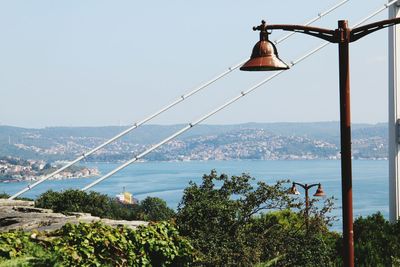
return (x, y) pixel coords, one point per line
(319, 193)
(265, 58)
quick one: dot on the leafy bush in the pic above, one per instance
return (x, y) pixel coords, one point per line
(78, 201)
(17, 248)
(153, 209)
(281, 235)
(96, 244)
(218, 220)
(5, 195)
(376, 241)
(222, 219)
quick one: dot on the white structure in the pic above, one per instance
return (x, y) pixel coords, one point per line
(394, 115)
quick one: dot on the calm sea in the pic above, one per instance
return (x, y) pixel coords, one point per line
(168, 179)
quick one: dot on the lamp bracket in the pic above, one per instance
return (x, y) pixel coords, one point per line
(362, 31)
(331, 35)
(305, 186)
(398, 131)
(325, 34)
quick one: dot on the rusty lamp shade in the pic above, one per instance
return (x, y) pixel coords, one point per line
(320, 192)
(264, 58)
(293, 190)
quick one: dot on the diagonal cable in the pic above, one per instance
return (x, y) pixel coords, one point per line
(177, 101)
(228, 103)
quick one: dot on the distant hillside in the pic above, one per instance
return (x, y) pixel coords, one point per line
(253, 140)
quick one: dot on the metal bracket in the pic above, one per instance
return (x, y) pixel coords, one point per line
(360, 32)
(398, 131)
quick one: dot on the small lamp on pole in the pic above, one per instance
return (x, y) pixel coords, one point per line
(319, 193)
(343, 35)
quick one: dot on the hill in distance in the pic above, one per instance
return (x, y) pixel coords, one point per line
(319, 140)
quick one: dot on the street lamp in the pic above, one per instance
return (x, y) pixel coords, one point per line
(343, 35)
(319, 193)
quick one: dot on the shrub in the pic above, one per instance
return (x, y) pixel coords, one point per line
(76, 201)
(17, 248)
(5, 195)
(96, 244)
(222, 219)
(218, 219)
(151, 208)
(155, 209)
(376, 241)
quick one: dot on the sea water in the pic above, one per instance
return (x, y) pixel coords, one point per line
(167, 180)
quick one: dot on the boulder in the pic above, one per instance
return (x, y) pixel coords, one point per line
(18, 214)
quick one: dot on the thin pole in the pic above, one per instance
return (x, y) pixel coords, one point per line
(174, 103)
(345, 140)
(307, 205)
(394, 116)
(306, 187)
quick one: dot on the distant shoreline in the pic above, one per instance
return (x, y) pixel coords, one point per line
(5, 181)
(265, 141)
(98, 173)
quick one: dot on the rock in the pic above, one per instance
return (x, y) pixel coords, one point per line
(17, 214)
(6, 202)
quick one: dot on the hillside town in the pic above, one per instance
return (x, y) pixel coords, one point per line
(16, 170)
(239, 142)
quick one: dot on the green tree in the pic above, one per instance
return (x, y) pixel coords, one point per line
(218, 215)
(4, 195)
(150, 209)
(156, 209)
(93, 202)
(225, 218)
(376, 241)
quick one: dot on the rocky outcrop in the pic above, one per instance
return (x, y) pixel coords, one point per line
(18, 214)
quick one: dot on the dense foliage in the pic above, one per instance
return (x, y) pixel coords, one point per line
(17, 248)
(5, 195)
(221, 219)
(155, 209)
(96, 244)
(282, 235)
(376, 241)
(151, 208)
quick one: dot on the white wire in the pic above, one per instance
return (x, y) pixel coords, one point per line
(242, 94)
(180, 99)
(190, 125)
(320, 15)
(181, 131)
(385, 6)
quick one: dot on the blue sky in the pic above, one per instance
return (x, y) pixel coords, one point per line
(93, 62)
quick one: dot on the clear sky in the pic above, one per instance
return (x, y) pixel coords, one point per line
(93, 62)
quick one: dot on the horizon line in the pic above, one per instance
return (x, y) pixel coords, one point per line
(184, 123)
